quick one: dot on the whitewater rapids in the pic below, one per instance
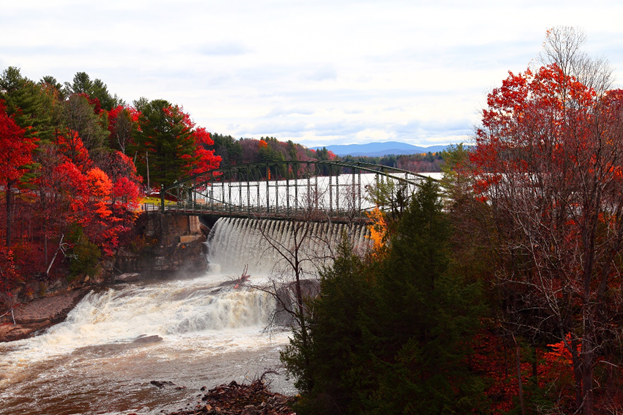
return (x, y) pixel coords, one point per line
(97, 362)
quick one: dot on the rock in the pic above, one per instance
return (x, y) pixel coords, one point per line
(148, 339)
(162, 384)
(11, 333)
(127, 277)
(49, 309)
(158, 253)
(185, 239)
(204, 230)
(253, 399)
(286, 299)
(40, 314)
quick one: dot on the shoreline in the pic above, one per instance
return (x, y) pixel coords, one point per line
(39, 314)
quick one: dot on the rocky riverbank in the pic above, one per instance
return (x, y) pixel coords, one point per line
(235, 399)
(38, 315)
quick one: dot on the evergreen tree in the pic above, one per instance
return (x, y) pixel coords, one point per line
(95, 89)
(427, 316)
(228, 148)
(51, 82)
(164, 143)
(336, 332)
(30, 105)
(392, 335)
(79, 116)
(269, 153)
(140, 104)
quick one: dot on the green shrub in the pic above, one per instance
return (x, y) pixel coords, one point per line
(85, 255)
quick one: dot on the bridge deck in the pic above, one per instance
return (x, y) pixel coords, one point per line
(195, 209)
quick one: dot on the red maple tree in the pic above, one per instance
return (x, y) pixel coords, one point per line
(206, 160)
(548, 162)
(16, 154)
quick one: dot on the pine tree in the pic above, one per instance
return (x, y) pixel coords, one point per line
(392, 335)
(30, 105)
(336, 332)
(426, 317)
(79, 116)
(165, 147)
(94, 89)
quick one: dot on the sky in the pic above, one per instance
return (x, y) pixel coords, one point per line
(315, 72)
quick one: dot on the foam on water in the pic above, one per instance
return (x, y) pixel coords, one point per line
(194, 315)
(198, 320)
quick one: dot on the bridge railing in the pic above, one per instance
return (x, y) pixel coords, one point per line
(285, 189)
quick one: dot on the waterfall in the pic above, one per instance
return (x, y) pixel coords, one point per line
(265, 245)
(207, 331)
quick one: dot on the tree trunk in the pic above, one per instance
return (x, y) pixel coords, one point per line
(587, 386)
(577, 373)
(519, 382)
(8, 214)
(535, 368)
(588, 358)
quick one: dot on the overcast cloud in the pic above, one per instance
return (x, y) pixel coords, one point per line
(316, 72)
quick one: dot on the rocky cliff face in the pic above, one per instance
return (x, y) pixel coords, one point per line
(172, 246)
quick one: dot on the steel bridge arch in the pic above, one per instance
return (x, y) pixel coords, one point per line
(273, 189)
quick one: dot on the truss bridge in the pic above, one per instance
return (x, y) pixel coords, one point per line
(291, 190)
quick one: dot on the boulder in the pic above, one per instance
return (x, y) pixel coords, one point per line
(10, 332)
(40, 314)
(127, 277)
(286, 298)
(148, 339)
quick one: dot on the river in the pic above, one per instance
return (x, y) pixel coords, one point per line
(98, 360)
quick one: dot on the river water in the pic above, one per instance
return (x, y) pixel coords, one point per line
(99, 362)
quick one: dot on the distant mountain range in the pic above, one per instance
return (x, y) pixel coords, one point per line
(380, 149)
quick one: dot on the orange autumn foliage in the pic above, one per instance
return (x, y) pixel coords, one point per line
(378, 231)
(100, 188)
